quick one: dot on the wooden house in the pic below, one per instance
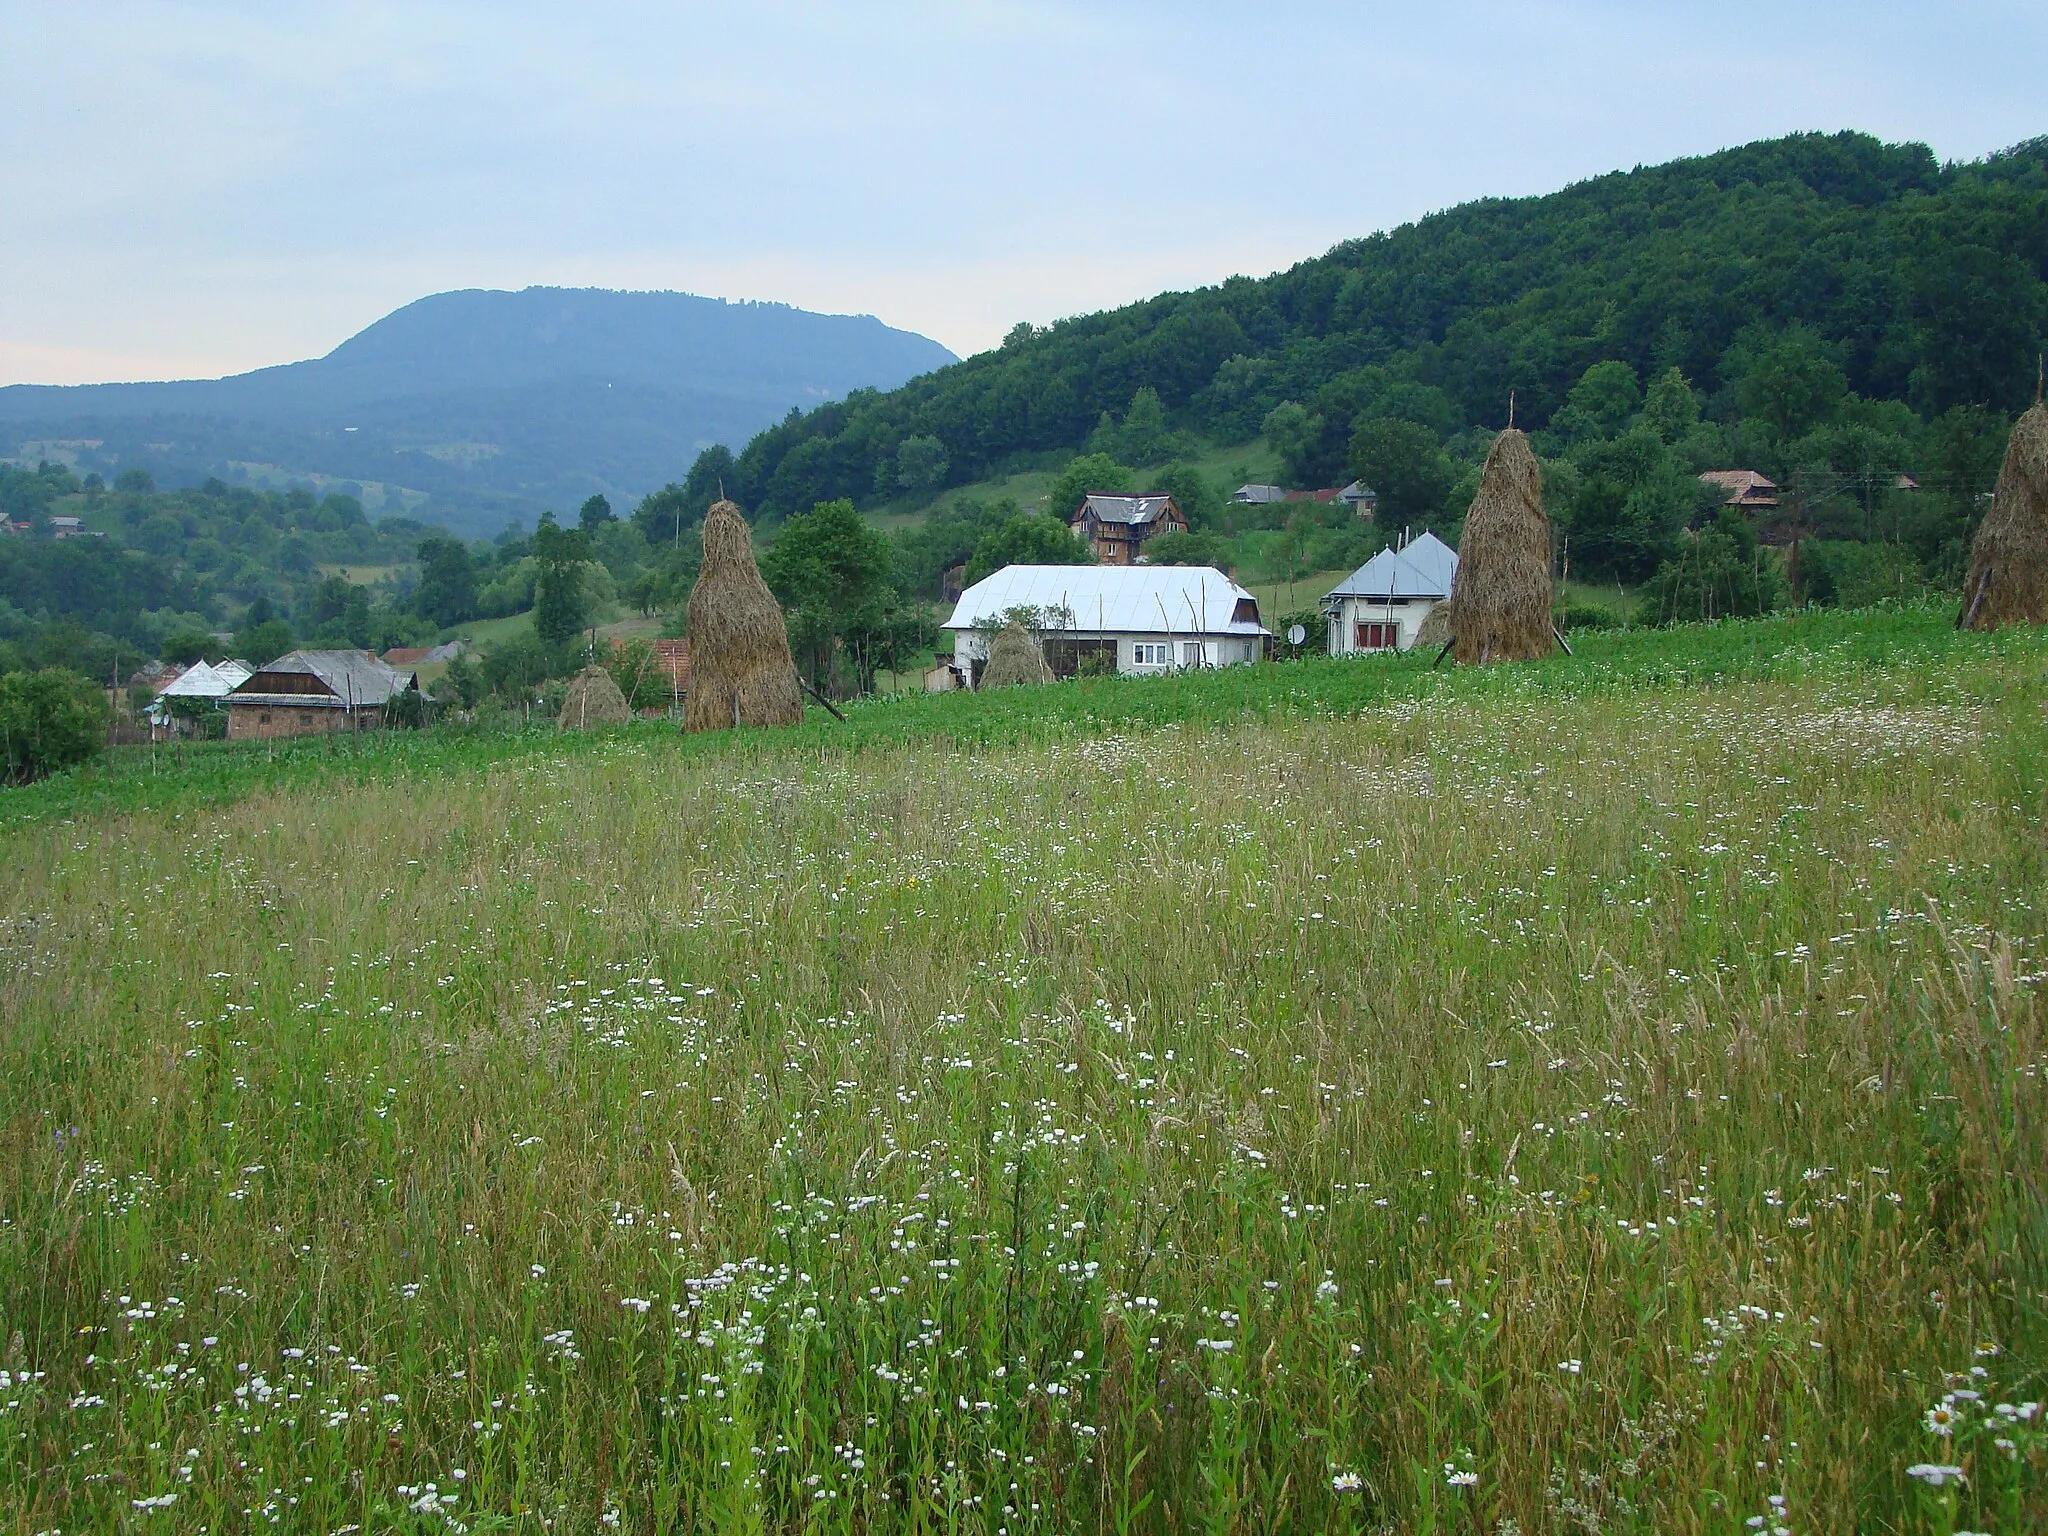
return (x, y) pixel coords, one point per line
(313, 693)
(1116, 527)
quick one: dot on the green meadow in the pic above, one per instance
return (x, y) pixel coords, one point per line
(1601, 1095)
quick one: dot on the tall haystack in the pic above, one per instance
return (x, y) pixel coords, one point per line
(2009, 561)
(740, 668)
(1014, 657)
(592, 699)
(1500, 597)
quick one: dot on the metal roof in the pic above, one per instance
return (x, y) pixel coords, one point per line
(1421, 568)
(1124, 509)
(200, 681)
(352, 677)
(1115, 599)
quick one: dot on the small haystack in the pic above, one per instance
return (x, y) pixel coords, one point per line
(1501, 595)
(1014, 658)
(593, 699)
(1436, 628)
(2009, 561)
(740, 668)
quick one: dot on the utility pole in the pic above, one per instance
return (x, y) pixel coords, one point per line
(1798, 530)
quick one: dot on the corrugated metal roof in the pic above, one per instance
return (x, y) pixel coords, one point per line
(200, 681)
(1120, 599)
(353, 677)
(1125, 509)
(1423, 568)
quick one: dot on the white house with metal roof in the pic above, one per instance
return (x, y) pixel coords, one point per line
(1131, 619)
(1381, 606)
(198, 688)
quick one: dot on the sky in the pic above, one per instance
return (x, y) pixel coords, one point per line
(198, 188)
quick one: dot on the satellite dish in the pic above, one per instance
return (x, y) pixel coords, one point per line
(1296, 634)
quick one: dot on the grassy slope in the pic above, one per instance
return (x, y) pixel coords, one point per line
(1163, 1096)
(1227, 464)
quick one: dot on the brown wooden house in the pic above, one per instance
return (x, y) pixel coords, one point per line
(1116, 527)
(313, 693)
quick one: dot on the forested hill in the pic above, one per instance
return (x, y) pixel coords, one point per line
(470, 407)
(1924, 283)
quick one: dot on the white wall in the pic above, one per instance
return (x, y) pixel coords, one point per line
(1363, 610)
(1217, 650)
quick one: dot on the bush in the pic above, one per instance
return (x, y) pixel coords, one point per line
(49, 720)
(1587, 616)
(1842, 573)
(1314, 620)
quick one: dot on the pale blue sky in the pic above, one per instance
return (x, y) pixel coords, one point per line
(199, 187)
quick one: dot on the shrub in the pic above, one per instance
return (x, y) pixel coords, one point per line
(1587, 616)
(1315, 643)
(49, 720)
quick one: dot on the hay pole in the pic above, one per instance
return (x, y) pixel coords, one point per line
(1561, 640)
(1440, 655)
(830, 707)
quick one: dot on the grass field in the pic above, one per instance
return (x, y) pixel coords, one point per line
(1601, 1095)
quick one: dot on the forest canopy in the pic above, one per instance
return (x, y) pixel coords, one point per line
(1910, 281)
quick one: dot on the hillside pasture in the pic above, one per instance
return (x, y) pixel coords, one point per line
(1337, 1096)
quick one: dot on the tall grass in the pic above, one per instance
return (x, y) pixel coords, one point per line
(1325, 1098)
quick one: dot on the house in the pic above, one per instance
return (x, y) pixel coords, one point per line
(942, 676)
(406, 657)
(309, 693)
(673, 657)
(194, 692)
(1744, 488)
(1116, 527)
(1361, 498)
(1258, 495)
(1381, 605)
(1134, 620)
(71, 528)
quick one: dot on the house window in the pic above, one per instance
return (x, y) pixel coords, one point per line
(1191, 653)
(263, 718)
(1146, 655)
(1374, 635)
(305, 717)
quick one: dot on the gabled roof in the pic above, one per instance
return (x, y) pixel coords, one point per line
(1118, 599)
(1257, 494)
(1133, 510)
(200, 681)
(1745, 487)
(1422, 568)
(350, 677)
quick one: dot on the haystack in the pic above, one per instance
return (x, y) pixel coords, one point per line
(740, 668)
(592, 699)
(1436, 628)
(1500, 597)
(2009, 561)
(1014, 658)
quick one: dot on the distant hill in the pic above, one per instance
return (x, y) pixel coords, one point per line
(466, 408)
(1924, 283)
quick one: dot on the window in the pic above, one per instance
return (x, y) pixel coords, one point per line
(1145, 655)
(263, 718)
(1191, 653)
(1374, 635)
(305, 717)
